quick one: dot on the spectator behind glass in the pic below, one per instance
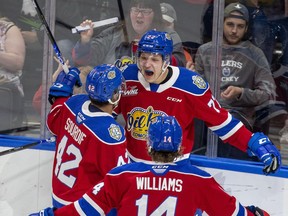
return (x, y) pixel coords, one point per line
(177, 188)
(116, 43)
(170, 18)
(12, 57)
(246, 80)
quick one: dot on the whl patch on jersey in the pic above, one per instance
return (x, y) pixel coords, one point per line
(199, 82)
(115, 132)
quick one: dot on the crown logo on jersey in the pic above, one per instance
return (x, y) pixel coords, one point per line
(115, 132)
(199, 82)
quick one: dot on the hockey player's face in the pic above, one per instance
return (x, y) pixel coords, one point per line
(234, 30)
(151, 67)
(141, 19)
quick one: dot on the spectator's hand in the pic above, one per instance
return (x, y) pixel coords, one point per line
(64, 84)
(87, 35)
(190, 65)
(44, 212)
(257, 211)
(231, 92)
(259, 145)
(59, 69)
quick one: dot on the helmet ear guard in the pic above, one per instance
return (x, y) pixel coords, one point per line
(164, 134)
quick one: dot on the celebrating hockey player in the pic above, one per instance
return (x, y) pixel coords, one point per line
(161, 187)
(89, 142)
(156, 88)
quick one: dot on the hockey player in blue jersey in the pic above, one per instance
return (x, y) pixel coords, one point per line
(168, 185)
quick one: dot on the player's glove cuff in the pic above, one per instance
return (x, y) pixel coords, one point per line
(64, 84)
(45, 212)
(259, 145)
(257, 211)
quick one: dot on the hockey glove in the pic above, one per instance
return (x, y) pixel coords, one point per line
(257, 211)
(64, 84)
(259, 145)
(45, 212)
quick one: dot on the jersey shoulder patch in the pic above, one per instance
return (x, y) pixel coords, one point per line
(108, 130)
(191, 82)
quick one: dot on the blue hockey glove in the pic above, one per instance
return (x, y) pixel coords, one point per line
(259, 145)
(257, 211)
(64, 84)
(44, 212)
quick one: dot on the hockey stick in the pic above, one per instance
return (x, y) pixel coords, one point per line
(122, 17)
(50, 36)
(20, 148)
(97, 24)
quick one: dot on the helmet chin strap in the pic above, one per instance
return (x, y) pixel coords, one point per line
(115, 103)
(163, 69)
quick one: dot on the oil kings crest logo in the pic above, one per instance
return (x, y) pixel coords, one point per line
(111, 74)
(115, 132)
(199, 82)
(139, 119)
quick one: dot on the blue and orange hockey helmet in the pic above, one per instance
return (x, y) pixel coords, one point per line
(164, 134)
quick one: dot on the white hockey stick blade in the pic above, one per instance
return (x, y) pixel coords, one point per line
(96, 24)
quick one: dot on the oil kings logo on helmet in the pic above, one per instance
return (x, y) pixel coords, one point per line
(139, 119)
(115, 132)
(199, 82)
(168, 36)
(111, 75)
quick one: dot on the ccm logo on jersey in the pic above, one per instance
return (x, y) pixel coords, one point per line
(174, 99)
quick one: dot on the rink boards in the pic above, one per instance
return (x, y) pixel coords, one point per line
(25, 179)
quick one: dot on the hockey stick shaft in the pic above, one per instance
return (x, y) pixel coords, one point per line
(20, 148)
(96, 24)
(50, 36)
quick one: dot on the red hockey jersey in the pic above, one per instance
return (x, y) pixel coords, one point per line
(186, 96)
(88, 145)
(156, 189)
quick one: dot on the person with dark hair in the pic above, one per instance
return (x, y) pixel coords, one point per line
(89, 142)
(245, 80)
(169, 185)
(119, 42)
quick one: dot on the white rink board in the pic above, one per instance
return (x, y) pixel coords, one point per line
(267, 192)
(25, 182)
(25, 185)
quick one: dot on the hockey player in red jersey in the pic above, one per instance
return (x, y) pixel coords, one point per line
(169, 185)
(89, 142)
(156, 88)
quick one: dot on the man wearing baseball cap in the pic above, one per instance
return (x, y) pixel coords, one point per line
(245, 80)
(169, 17)
(237, 7)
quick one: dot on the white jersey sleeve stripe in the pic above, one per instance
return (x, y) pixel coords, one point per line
(228, 120)
(231, 132)
(79, 209)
